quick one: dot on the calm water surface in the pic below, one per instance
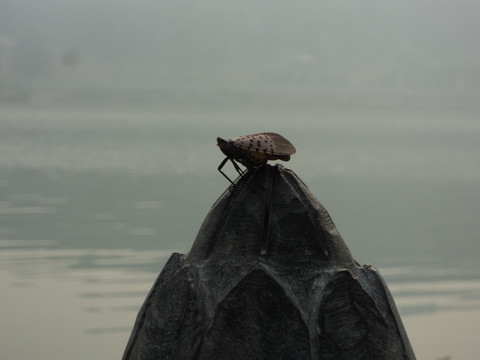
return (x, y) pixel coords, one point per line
(93, 202)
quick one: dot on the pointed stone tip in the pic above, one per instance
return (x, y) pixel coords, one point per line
(270, 215)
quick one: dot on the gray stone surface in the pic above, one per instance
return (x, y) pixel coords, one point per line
(268, 277)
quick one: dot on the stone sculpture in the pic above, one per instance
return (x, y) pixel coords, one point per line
(268, 277)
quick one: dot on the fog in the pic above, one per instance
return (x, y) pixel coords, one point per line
(272, 46)
(109, 111)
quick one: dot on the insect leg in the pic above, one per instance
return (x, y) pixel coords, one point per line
(222, 164)
(235, 165)
(240, 171)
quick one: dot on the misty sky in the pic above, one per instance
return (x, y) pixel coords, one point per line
(307, 45)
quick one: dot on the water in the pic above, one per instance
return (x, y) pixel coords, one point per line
(93, 201)
(108, 118)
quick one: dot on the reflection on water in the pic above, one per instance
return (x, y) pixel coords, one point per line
(92, 205)
(93, 295)
(427, 290)
(86, 297)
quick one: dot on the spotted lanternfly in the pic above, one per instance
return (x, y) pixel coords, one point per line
(254, 150)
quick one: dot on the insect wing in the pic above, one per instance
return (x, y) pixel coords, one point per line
(269, 143)
(281, 146)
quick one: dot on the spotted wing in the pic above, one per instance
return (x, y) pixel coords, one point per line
(268, 143)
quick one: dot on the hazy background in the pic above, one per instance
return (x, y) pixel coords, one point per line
(109, 113)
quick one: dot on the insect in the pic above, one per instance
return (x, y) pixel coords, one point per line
(254, 150)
